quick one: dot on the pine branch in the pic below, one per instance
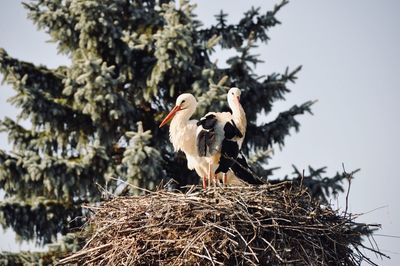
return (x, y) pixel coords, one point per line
(28, 174)
(258, 160)
(37, 78)
(320, 186)
(46, 218)
(253, 24)
(30, 258)
(141, 163)
(262, 95)
(39, 94)
(275, 132)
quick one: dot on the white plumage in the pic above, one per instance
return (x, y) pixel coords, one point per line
(220, 135)
(182, 133)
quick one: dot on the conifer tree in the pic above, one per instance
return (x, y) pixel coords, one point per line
(94, 123)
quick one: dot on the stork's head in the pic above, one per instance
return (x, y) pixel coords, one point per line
(234, 97)
(185, 104)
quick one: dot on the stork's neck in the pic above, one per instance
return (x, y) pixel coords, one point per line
(178, 127)
(239, 117)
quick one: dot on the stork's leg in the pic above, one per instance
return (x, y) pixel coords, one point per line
(209, 173)
(224, 179)
(204, 182)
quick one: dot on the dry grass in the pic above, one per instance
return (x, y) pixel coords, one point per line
(267, 225)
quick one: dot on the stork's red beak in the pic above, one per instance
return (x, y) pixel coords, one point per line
(238, 101)
(170, 115)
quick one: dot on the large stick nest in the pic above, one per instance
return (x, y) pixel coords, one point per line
(266, 225)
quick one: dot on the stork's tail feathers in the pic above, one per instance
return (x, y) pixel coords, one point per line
(243, 171)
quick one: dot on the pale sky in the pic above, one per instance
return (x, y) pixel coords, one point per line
(350, 52)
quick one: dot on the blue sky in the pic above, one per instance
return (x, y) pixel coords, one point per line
(350, 52)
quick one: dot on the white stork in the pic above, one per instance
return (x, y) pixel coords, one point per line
(220, 136)
(182, 133)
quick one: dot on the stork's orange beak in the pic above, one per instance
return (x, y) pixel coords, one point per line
(170, 115)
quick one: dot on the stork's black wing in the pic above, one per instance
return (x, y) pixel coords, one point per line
(243, 171)
(231, 130)
(229, 153)
(206, 136)
(229, 147)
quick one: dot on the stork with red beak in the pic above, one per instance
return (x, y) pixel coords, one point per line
(182, 133)
(220, 136)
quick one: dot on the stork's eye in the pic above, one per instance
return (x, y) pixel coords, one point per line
(183, 101)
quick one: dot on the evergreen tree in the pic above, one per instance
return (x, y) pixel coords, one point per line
(94, 123)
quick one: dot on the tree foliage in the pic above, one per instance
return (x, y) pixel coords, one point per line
(94, 122)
